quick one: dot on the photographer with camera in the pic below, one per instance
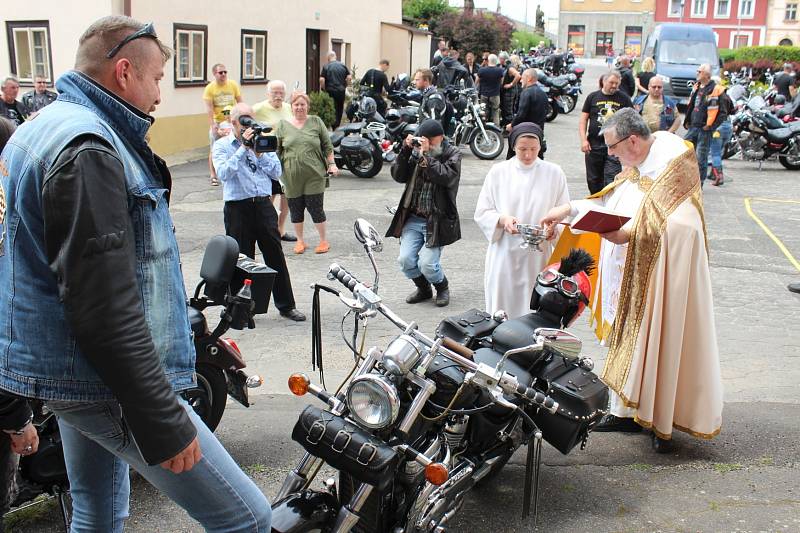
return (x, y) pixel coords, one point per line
(427, 216)
(246, 164)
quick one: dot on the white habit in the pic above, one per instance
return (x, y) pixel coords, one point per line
(527, 194)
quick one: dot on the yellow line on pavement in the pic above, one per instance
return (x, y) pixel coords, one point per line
(766, 229)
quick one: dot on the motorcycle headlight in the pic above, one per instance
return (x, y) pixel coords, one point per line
(373, 401)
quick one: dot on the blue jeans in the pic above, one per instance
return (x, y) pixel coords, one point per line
(416, 259)
(702, 143)
(98, 449)
(725, 131)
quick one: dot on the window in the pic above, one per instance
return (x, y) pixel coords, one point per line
(740, 40)
(746, 8)
(675, 8)
(576, 39)
(254, 56)
(698, 8)
(191, 54)
(722, 9)
(791, 12)
(29, 50)
(604, 41)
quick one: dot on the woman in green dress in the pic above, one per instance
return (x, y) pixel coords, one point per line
(306, 152)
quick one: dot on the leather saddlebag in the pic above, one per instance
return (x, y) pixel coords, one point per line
(346, 447)
(468, 328)
(582, 401)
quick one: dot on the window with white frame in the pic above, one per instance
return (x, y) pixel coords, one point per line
(791, 12)
(698, 8)
(30, 50)
(675, 8)
(190, 54)
(254, 55)
(746, 8)
(722, 9)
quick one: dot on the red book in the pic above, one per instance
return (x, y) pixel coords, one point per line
(599, 220)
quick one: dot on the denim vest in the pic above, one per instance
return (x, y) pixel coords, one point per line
(39, 356)
(668, 112)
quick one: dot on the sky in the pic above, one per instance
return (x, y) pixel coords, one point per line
(516, 8)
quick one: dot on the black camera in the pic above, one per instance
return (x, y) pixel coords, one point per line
(259, 142)
(416, 141)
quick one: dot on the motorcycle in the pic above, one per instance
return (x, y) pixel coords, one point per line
(358, 146)
(485, 139)
(219, 369)
(418, 424)
(760, 135)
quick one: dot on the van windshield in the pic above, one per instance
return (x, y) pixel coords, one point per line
(687, 52)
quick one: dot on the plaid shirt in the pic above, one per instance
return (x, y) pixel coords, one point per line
(422, 196)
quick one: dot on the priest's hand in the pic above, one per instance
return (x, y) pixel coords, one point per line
(555, 215)
(508, 223)
(617, 237)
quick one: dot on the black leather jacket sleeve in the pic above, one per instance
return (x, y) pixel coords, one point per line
(14, 411)
(90, 246)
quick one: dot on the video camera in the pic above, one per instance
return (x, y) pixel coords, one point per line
(259, 142)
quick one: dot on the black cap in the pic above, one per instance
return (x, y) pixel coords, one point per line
(430, 128)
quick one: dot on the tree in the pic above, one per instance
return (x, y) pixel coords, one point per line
(425, 12)
(526, 39)
(476, 32)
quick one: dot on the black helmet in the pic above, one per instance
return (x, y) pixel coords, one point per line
(367, 106)
(435, 105)
(393, 116)
(563, 289)
(779, 99)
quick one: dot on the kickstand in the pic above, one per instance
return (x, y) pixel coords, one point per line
(532, 464)
(62, 503)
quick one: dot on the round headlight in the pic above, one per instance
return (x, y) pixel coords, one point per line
(373, 401)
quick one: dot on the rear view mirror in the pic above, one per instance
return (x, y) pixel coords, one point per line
(560, 342)
(367, 235)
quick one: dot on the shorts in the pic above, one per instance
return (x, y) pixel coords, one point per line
(277, 188)
(310, 202)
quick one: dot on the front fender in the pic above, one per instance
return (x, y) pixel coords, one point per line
(304, 512)
(489, 126)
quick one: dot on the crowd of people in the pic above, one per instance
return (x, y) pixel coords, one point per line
(117, 347)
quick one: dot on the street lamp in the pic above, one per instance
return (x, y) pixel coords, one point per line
(682, 4)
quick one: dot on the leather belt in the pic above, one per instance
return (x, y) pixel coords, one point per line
(253, 200)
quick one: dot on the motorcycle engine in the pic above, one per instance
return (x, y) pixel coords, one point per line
(752, 146)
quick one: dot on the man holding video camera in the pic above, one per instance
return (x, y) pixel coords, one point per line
(246, 164)
(426, 219)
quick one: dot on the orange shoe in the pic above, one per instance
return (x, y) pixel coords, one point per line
(323, 248)
(300, 247)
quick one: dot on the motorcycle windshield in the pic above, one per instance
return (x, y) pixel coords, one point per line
(756, 103)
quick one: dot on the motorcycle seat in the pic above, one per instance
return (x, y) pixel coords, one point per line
(198, 322)
(491, 358)
(353, 127)
(518, 332)
(779, 135)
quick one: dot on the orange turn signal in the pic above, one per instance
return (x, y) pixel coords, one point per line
(436, 473)
(298, 384)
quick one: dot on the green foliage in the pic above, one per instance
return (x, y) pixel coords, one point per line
(726, 54)
(526, 39)
(476, 32)
(426, 12)
(760, 58)
(322, 106)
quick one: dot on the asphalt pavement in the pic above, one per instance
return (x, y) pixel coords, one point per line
(743, 480)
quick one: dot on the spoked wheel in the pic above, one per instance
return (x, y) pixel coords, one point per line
(209, 397)
(569, 103)
(487, 146)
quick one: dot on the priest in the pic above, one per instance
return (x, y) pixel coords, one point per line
(520, 190)
(653, 299)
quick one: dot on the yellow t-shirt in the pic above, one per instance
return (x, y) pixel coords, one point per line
(221, 96)
(264, 112)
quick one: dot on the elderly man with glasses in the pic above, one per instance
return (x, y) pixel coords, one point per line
(653, 282)
(94, 317)
(703, 116)
(659, 112)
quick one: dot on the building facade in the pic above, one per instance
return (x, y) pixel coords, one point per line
(589, 27)
(783, 23)
(736, 23)
(287, 40)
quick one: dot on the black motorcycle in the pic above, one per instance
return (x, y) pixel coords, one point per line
(485, 139)
(358, 146)
(219, 368)
(424, 420)
(760, 135)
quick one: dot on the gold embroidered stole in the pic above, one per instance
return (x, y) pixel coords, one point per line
(679, 181)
